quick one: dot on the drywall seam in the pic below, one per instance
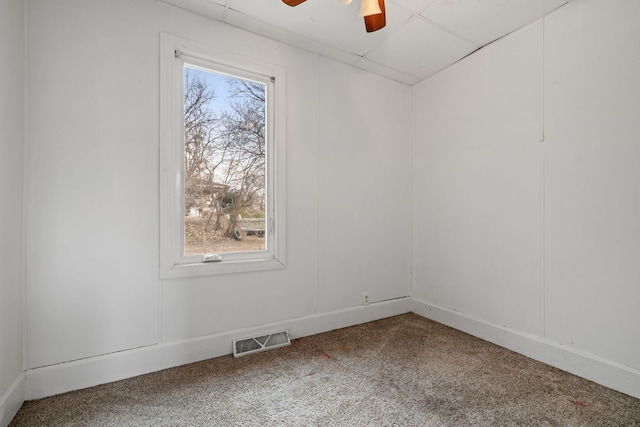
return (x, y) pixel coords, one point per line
(412, 206)
(543, 248)
(542, 121)
(25, 180)
(318, 118)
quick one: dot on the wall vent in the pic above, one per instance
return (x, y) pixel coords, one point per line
(244, 346)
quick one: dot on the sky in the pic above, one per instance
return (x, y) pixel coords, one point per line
(215, 81)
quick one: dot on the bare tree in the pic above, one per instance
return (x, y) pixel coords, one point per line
(200, 123)
(244, 134)
(224, 162)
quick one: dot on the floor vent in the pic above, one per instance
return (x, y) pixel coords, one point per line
(244, 346)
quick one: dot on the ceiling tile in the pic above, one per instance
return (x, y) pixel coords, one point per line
(421, 38)
(483, 21)
(416, 6)
(279, 34)
(325, 21)
(421, 49)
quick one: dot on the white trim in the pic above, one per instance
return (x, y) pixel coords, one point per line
(12, 400)
(172, 262)
(608, 373)
(64, 377)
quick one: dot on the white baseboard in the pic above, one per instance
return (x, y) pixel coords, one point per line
(608, 373)
(56, 379)
(64, 377)
(12, 400)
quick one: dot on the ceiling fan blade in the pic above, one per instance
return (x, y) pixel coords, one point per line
(376, 22)
(293, 2)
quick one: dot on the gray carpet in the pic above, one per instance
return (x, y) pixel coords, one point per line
(402, 371)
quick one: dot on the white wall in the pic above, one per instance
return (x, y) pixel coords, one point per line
(364, 199)
(529, 244)
(11, 189)
(593, 176)
(535, 245)
(93, 283)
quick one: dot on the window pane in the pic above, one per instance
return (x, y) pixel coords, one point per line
(224, 163)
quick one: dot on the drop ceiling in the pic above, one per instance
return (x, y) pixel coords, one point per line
(421, 38)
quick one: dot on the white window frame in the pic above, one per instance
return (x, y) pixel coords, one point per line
(174, 52)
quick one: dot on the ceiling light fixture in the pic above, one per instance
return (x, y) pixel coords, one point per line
(369, 7)
(373, 11)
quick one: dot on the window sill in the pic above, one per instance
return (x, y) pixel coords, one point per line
(197, 269)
